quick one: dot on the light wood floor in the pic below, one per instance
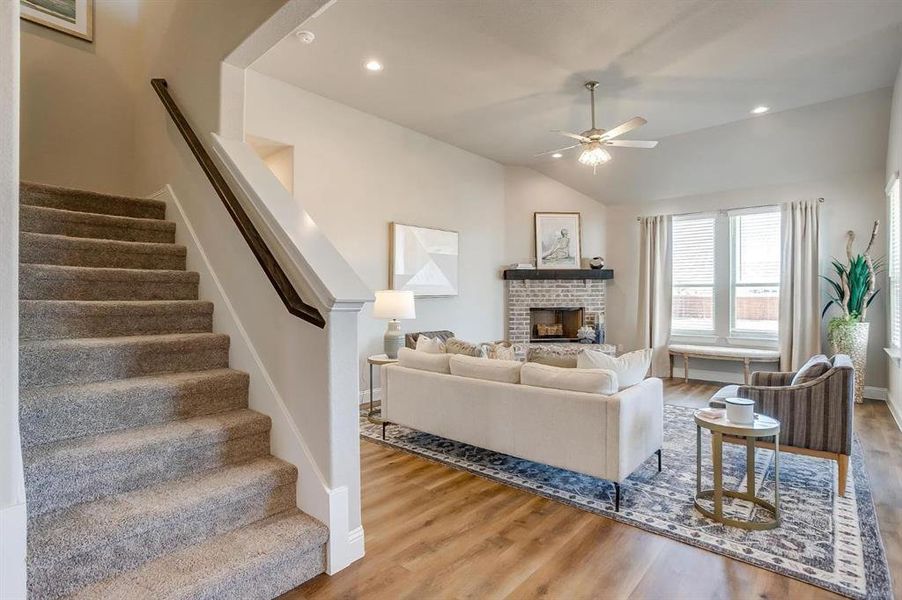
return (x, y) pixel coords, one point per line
(435, 532)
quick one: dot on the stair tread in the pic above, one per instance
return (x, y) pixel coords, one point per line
(196, 431)
(40, 194)
(107, 273)
(52, 239)
(213, 563)
(125, 340)
(94, 387)
(55, 535)
(111, 307)
(76, 216)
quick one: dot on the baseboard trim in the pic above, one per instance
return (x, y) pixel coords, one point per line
(13, 526)
(870, 392)
(894, 411)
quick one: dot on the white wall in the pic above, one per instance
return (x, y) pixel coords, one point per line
(831, 150)
(356, 173)
(98, 82)
(12, 490)
(893, 166)
(526, 192)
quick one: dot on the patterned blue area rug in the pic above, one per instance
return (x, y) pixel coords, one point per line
(825, 540)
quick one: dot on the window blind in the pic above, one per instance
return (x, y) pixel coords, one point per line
(693, 251)
(895, 266)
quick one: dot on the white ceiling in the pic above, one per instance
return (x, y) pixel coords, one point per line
(495, 76)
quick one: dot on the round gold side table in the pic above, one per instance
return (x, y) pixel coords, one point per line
(762, 427)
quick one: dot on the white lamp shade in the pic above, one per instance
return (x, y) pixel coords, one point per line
(394, 304)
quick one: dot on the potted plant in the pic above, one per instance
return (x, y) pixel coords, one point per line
(852, 290)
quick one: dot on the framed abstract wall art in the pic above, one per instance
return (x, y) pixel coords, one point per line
(423, 260)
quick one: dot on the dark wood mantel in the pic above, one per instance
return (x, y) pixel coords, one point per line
(561, 274)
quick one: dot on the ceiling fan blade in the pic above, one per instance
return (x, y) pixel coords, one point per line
(575, 136)
(631, 144)
(558, 150)
(624, 128)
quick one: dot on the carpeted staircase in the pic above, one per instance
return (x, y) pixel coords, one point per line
(146, 475)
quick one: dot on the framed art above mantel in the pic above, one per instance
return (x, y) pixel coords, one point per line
(557, 240)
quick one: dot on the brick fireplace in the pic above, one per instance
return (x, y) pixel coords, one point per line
(559, 299)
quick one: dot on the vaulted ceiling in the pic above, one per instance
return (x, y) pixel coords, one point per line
(496, 76)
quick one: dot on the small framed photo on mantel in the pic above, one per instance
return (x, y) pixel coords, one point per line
(74, 17)
(557, 240)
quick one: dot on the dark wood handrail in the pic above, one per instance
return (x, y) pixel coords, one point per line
(271, 267)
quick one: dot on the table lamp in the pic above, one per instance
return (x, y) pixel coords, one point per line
(394, 305)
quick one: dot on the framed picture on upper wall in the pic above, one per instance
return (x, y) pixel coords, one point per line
(557, 240)
(423, 260)
(75, 17)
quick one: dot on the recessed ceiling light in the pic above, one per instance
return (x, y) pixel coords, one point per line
(306, 37)
(373, 65)
(556, 155)
(760, 110)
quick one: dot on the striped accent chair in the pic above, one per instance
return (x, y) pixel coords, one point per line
(815, 416)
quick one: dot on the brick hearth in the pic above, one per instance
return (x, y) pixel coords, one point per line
(521, 295)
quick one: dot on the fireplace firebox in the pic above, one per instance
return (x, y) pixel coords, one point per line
(555, 324)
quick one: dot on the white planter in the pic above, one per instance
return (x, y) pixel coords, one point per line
(852, 339)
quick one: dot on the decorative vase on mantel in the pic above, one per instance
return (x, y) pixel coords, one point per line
(851, 338)
(852, 291)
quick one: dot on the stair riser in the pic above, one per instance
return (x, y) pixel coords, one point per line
(34, 221)
(36, 253)
(71, 412)
(44, 288)
(52, 486)
(56, 326)
(119, 555)
(67, 365)
(91, 203)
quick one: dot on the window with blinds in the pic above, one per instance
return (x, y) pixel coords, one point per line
(726, 275)
(894, 271)
(693, 275)
(755, 281)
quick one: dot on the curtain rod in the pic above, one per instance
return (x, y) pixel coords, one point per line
(702, 212)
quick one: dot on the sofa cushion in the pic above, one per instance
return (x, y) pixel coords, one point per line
(506, 371)
(424, 361)
(630, 367)
(728, 391)
(592, 381)
(816, 366)
(431, 345)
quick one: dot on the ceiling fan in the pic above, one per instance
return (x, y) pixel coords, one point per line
(592, 141)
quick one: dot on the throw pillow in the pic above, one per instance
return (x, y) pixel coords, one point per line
(630, 367)
(502, 352)
(424, 361)
(431, 345)
(505, 371)
(816, 366)
(458, 346)
(591, 381)
(555, 355)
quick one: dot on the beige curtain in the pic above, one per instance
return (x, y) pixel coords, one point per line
(800, 323)
(654, 290)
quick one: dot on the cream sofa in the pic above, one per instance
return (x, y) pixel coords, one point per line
(606, 436)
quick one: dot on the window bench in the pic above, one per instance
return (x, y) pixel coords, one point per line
(745, 355)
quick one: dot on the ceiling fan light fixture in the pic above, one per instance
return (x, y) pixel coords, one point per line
(594, 155)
